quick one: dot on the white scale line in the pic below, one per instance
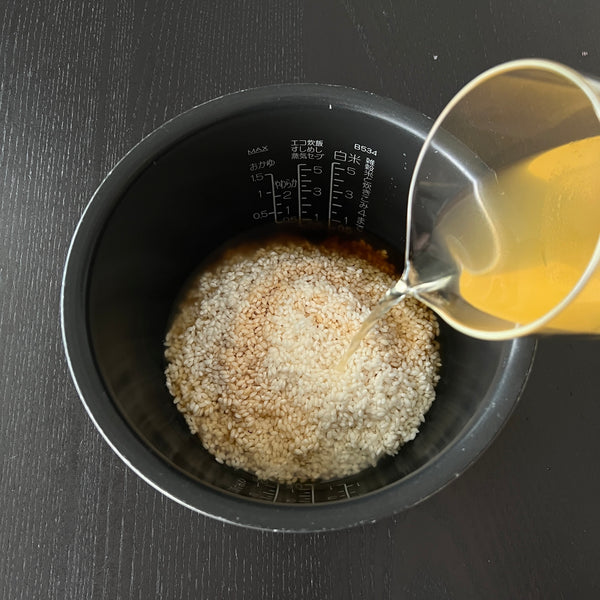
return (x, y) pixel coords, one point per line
(333, 165)
(273, 193)
(299, 176)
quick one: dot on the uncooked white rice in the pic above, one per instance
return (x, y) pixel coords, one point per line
(252, 353)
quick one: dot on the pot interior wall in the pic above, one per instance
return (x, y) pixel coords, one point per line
(196, 196)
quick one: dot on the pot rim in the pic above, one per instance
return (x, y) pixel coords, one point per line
(485, 424)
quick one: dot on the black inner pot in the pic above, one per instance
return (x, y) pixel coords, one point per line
(189, 188)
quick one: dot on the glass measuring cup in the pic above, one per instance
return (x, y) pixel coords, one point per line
(504, 208)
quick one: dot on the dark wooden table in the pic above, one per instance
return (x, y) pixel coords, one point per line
(81, 81)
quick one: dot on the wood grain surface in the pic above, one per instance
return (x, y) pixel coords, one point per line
(81, 81)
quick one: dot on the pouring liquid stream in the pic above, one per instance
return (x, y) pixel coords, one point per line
(392, 297)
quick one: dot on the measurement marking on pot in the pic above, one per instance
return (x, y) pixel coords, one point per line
(332, 193)
(301, 196)
(309, 190)
(275, 204)
(335, 194)
(267, 192)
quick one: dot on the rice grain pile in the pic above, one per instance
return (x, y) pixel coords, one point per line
(252, 354)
